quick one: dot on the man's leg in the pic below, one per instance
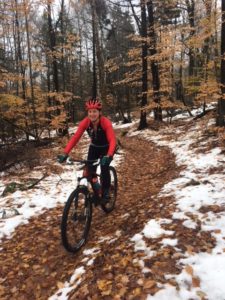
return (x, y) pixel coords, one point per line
(106, 180)
(92, 155)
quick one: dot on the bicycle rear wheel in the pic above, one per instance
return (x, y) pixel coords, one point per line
(109, 206)
(76, 220)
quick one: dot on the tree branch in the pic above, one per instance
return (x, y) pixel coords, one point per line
(16, 126)
(138, 22)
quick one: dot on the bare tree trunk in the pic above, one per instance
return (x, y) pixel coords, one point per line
(62, 28)
(180, 86)
(138, 22)
(220, 120)
(100, 60)
(16, 57)
(215, 43)
(30, 71)
(52, 48)
(94, 84)
(80, 59)
(191, 17)
(143, 120)
(206, 48)
(20, 59)
(22, 69)
(154, 65)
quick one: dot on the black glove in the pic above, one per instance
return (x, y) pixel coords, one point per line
(61, 158)
(106, 160)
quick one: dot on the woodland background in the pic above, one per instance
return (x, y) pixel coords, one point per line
(141, 56)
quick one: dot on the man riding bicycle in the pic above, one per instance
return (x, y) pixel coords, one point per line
(103, 141)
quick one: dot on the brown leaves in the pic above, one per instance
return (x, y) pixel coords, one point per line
(2, 291)
(202, 295)
(196, 282)
(190, 249)
(149, 284)
(195, 279)
(116, 271)
(189, 270)
(124, 279)
(105, 287)
(211, 208)
(124, 261)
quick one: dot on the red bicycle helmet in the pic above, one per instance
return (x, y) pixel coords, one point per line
(93, 104)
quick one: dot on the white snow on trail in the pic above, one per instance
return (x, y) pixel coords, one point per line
(75, 280)
(50, 192)
(196, 187)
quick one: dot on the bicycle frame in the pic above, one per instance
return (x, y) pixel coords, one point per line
(77, 215)
(95, 199)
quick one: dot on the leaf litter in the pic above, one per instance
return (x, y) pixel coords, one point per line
(172, 256)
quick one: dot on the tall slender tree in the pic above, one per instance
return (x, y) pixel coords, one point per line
(154, 65)
(52, 45)
(93, 22)
(26, 8)
(143, 120)
(191, 18)
(221, 102)
(63, 33)
(19, 49)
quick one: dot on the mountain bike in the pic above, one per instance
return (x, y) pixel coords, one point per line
(77, 213)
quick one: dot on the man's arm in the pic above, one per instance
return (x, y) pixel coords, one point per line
(110, 134)
(75, 139)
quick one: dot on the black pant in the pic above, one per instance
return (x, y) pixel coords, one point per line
(95, 153)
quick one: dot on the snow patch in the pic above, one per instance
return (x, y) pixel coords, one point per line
(153, 229)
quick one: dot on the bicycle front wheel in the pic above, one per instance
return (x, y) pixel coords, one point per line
(76, 220)
(109, 206)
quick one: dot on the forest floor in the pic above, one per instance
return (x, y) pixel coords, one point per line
(117, 262)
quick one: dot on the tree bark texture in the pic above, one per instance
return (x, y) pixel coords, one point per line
(220, 120)
(94, 83)
(143, 121)
(154, 65)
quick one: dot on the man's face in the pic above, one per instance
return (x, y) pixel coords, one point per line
(93, 114)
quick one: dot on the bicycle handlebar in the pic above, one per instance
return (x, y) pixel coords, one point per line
(95, 162)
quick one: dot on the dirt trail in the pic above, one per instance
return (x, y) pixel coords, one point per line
(34, 264)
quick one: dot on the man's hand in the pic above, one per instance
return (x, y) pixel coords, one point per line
(106, 160)
(61, 158)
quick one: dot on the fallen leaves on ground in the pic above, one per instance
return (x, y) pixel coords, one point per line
(35, 265)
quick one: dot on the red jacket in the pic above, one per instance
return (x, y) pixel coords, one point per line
(104, 136)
